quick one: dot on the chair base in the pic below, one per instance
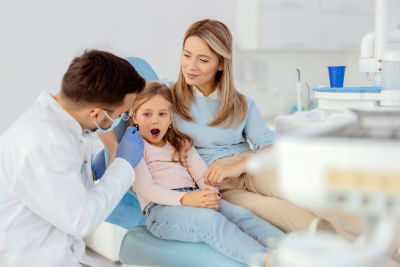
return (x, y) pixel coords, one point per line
(140, 247)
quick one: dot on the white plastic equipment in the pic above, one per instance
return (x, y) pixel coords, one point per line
(349, 165)
(374, 58)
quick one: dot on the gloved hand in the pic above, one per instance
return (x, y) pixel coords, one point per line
(131, 146)
(99, 165)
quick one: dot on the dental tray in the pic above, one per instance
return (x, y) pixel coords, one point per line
(351, 90)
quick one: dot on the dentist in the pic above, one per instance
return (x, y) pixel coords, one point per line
(48, 200)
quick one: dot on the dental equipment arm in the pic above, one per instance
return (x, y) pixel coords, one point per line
(299, 91)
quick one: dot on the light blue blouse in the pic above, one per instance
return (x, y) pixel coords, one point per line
(212, 142)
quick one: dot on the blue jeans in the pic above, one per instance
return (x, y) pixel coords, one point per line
(234, 231)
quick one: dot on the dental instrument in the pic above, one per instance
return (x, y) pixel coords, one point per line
(308, 97)
(299, 94)
(144, 133)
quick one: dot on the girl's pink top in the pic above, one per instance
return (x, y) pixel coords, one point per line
(156, 175)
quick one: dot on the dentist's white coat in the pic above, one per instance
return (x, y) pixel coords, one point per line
(47, 197)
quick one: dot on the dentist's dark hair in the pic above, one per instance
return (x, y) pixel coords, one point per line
(100, 78)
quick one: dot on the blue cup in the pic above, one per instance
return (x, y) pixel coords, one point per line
(336, 76)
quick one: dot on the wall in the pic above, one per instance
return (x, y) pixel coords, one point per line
(38, 40)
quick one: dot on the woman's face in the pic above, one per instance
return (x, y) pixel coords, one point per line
(154, 117)
(199, 63)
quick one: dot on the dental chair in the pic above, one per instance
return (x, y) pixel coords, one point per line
(139, 246)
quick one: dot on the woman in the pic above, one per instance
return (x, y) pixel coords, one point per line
(220, 120)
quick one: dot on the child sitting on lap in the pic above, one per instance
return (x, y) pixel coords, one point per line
(167, 185)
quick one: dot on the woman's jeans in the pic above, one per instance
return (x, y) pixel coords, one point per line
(234, 231)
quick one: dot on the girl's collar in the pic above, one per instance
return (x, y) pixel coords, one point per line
(150, 144)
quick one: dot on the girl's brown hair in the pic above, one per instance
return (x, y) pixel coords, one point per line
(179, 141)
(233, 108)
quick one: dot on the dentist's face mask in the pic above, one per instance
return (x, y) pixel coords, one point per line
(124, 116)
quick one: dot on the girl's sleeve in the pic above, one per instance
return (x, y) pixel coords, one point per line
(197, 167)
(256, 130)
(145, 186)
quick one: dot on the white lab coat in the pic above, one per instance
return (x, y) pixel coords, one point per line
(48, 201)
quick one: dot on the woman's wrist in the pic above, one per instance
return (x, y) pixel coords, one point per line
(240, 166)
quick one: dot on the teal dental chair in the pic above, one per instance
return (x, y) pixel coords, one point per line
(140, 247)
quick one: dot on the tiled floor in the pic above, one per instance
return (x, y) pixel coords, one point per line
(102, 259)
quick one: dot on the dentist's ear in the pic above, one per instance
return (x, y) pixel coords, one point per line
(94, 114)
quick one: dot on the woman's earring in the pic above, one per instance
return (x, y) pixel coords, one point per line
(169, 127)
(136, 126)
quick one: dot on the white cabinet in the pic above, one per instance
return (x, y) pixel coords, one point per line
(344, 31)
(106, 240)
(289, 29)
(348, 6)
(291, 4)
(302, 24)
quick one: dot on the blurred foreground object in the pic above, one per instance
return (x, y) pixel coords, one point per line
(349, 165)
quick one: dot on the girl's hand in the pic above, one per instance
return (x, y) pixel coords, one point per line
(208, 199)
(217, 173)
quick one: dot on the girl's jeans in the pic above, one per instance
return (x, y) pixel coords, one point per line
(234, 231)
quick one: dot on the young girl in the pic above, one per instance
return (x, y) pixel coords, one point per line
(175, 201)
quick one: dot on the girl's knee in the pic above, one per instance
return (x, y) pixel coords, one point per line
(210, 216)
(226, 207)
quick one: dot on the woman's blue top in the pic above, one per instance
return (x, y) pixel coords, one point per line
(213, 142)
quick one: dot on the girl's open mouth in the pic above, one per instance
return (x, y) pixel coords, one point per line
(155, 132)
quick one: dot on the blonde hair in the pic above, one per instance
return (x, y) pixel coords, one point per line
(233, 106)
(179, 141)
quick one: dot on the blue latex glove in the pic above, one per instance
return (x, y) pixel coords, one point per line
(99, 165)
(131, 146)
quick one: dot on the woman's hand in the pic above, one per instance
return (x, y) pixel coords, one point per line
(217, 173)
(208, 199)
